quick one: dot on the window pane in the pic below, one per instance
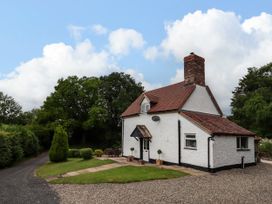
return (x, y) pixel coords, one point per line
(244, 142)
(191, 143)
(238, 142)
(190, 136)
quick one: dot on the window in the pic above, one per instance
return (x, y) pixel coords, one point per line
(190, 141)
(145, 107)
(146, 144)
(242, 143)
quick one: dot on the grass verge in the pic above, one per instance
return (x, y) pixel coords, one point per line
(124, 174)
(73, 164)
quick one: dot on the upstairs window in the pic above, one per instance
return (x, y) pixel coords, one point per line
(145, 107)
(190, 141)
(242, 143)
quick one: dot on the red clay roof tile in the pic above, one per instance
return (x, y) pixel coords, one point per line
(168, 98)
(215, 124)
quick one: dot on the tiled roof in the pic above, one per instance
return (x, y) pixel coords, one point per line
(168, 98)
(215, 124)
(141, 131)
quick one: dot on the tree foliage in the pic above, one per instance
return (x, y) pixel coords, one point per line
(10, 110)
(90, 107)
(252, 101)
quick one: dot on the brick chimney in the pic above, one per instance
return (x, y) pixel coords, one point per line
(194, 69)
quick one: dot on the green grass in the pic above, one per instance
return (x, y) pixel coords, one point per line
(73, 164)
(124, 174)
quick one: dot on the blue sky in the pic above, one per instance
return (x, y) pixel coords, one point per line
(28, 26)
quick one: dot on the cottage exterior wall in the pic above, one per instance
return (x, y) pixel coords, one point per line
(164, 136)
(200, 101)
(225, 152)
(198, 157)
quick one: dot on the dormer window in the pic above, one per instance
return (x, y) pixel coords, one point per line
(145, 107)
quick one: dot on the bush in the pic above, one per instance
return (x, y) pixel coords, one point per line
(16, 147)
(59, 148)
(5, 150)
(112, 152)
(74, 153)
(266, 148)
(98, 152)
(86, 153)
(44, 135)
(30, 143)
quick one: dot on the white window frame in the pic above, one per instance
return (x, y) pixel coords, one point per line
(190, 137)
(239, 144)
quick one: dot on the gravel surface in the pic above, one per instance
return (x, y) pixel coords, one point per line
(251, 185)
(19, 185)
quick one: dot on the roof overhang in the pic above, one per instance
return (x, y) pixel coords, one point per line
(141, 131)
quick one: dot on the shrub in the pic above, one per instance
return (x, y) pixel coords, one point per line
(98, 152)
(266, 148)
(112, 152)
(16, 147)
(44, 135)
(30, 143)
(59, 148)
(86, 153)
(74, 153)
(5, 150)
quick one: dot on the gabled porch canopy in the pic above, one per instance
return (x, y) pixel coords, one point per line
(141, 132)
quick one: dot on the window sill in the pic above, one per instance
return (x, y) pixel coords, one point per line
(243, 150)
(191, 148)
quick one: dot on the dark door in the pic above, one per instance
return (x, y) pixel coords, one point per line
(141, 148)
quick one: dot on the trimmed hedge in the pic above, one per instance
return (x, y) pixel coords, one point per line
(98, 152)
(59, 149)
(16, 142)
(74, 153)
(86, 153)
(266, 148)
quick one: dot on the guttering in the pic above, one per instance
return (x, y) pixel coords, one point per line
(209, 139)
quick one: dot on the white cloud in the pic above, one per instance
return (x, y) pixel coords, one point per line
(139, 77)
(33, 80)
(76, 31)
(151, 53)
(99, 29)
(228, 45)
(122, 40)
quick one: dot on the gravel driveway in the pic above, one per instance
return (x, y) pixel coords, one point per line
(251, 185)
(19, 185)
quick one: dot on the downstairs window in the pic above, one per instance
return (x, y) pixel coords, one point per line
(190, 141)
(242, 143)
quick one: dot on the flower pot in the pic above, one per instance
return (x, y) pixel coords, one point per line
(142, 162)
(130, 158)
(159, 162)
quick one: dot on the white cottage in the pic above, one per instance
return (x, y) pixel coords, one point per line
(184, 121)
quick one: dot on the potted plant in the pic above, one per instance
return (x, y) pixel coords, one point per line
(159, 161)
(130, 158)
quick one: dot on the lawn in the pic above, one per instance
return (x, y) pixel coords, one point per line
(73, 164)
(124, 174)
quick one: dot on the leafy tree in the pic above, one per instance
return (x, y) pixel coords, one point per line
(10, 110)
(252, 101)
(59, 149)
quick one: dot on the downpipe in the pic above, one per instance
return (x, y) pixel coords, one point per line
(209, 140)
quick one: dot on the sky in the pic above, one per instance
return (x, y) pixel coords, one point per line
(42, 41)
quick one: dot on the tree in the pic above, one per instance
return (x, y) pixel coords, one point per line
(10, 110)
(252, 101)
(59, 149)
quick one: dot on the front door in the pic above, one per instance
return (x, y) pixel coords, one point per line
(146, 150)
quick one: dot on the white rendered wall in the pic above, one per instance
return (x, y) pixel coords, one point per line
(164, 135)
(198, 157)
(225, 152)
(200, 101)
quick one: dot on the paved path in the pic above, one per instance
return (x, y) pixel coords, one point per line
(266, 161)
(19, 185)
